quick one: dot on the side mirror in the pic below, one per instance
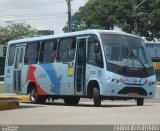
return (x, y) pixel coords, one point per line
(93, 39)
(96, 48)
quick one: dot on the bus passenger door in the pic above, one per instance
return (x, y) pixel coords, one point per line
(80, 66)
(18, 61)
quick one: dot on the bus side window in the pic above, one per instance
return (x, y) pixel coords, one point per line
(11, 54)
(66, 50)
(48, 51)
(41, 54)
(94, 57)
(32, 53)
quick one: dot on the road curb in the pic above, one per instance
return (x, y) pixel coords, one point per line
(6, 104)
(11, 102)
(15, 97)
(22, 97)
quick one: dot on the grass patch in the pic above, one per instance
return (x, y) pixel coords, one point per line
(2, 90)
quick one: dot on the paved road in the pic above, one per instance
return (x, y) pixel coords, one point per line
(111, 112)
(85, 113)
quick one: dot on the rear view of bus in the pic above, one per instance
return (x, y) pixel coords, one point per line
(129, 70)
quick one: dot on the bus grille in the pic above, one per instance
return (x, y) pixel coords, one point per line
(137, 90)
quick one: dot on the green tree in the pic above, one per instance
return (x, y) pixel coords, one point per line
(16, 31)
(106, 14)
(74, 25)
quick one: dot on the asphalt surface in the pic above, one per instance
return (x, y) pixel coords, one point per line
(83, 114)
(111, 112)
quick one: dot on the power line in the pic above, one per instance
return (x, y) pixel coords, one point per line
(30, 15)
(30, 5)
(24, 2)
(10, 1)
(62, 16)
(35, 16)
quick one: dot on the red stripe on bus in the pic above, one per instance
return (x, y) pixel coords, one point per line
(31, 77)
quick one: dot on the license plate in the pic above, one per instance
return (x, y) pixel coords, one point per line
(131, 80)
(133, 94)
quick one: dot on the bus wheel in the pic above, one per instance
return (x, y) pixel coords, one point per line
(96, 97)
(35, 98)
(71, 100)
(140, 101)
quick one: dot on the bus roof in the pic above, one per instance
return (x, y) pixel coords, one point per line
(90, 31)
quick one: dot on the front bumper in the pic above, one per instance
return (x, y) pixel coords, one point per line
(123, 90)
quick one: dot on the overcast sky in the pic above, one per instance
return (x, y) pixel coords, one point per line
(41, 14)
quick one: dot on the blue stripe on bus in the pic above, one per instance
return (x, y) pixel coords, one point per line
(52, 75)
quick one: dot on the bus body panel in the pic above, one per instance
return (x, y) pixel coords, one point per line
(61, 78)
(50, 79)
(8, 78)
(24, 79)
(94, 73)
(66, 82)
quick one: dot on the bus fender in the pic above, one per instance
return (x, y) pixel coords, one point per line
(91, 84)
(30, 85)
(34, 84)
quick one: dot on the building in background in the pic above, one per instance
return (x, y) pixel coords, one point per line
(45, 32)
(154, 51)
(2, 58)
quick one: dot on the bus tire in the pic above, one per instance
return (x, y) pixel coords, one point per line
(71, 100)
(96, 97)
(140, 101)
(35, 98)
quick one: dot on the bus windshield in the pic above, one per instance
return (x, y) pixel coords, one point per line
(125, 51)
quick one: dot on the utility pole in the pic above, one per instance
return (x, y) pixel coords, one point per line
(134, 17)
(69, 15)
(134, 7)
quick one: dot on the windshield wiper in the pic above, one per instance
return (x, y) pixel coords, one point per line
(131, 55)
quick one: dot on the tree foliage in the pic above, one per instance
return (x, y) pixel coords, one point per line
(106, 14)
(15, 31)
